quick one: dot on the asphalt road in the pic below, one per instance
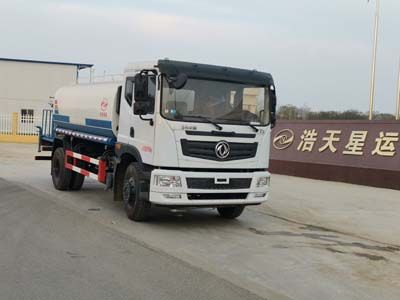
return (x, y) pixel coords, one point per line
(80, 245)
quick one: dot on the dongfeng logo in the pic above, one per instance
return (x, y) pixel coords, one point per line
(222, 150)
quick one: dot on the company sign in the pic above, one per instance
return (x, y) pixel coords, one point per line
(359, 144)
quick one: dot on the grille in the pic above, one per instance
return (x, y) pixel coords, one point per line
(206, 150)
(215, 196)
(209, 183)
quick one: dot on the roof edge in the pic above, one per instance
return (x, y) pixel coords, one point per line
(199, 70)
(80, 66)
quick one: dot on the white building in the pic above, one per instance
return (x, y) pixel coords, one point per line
(26, 86)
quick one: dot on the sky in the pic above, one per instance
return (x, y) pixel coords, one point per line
(318, 51)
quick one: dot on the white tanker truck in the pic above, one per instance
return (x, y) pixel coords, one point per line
(172, 134)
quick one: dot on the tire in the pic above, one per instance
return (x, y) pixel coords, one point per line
(119, 181)
(76, 181)
(137, 208)
(59, 174)
(230, 212)
(76, 178)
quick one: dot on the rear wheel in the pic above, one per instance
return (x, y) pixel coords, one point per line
(230, 212)
(137, 207)
(60, 175)
(76, 178)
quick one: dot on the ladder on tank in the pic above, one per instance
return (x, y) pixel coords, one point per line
(46, 131)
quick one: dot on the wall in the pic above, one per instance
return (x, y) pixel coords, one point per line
(29, 85)
(361, 152)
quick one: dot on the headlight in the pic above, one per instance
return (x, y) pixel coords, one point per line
(167, 181)
(263, 181)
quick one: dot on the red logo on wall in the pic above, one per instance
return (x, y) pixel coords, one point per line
(103, 108)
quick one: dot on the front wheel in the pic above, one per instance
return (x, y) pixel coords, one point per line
(230, 212)
(137, 208)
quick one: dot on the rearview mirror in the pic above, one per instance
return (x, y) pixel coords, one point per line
(179, 81)
(140, 108)
(141, 88)
(272, 105)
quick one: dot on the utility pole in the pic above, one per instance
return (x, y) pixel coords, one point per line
(374, 54)
(398, 97)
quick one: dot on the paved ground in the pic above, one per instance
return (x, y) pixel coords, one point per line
(313, 240)
(51, 252)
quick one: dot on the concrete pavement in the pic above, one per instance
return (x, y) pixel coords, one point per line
(290, 247)
(363, 211)
(51, 252)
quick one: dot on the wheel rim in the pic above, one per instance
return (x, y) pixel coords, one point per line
(129, 191)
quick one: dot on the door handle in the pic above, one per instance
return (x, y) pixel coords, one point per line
(132, 132)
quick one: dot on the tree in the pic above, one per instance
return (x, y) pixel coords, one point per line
(291, 112)
(288, 112)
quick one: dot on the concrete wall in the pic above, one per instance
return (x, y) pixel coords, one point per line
(26, 85)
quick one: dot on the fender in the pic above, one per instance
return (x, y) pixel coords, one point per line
(61, 141)
(122, 148)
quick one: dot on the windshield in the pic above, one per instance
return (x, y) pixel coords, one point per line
(222, 102)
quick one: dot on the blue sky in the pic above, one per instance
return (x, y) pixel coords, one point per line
(319, 52)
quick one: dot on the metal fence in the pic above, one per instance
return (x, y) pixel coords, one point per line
(15, 124)
(27, 125)
(6, 124)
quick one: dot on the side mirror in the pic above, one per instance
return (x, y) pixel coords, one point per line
(179, 81)
(141, 108)
(141, 88)
(272, 105)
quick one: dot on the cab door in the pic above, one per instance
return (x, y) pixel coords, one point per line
(139, 130)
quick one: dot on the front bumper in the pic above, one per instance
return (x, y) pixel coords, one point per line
(181, 196)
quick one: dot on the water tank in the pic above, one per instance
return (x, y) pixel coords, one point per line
(90, 104)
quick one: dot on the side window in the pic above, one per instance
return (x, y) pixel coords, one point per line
(129, 90)
(118, 99)
(152, 93)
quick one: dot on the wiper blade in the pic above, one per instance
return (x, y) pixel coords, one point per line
(252, 126)
(219, 127)
(243, 123)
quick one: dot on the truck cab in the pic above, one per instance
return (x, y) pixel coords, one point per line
(183, 135)
(204, 131)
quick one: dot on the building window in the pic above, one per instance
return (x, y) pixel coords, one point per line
(27, 115)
